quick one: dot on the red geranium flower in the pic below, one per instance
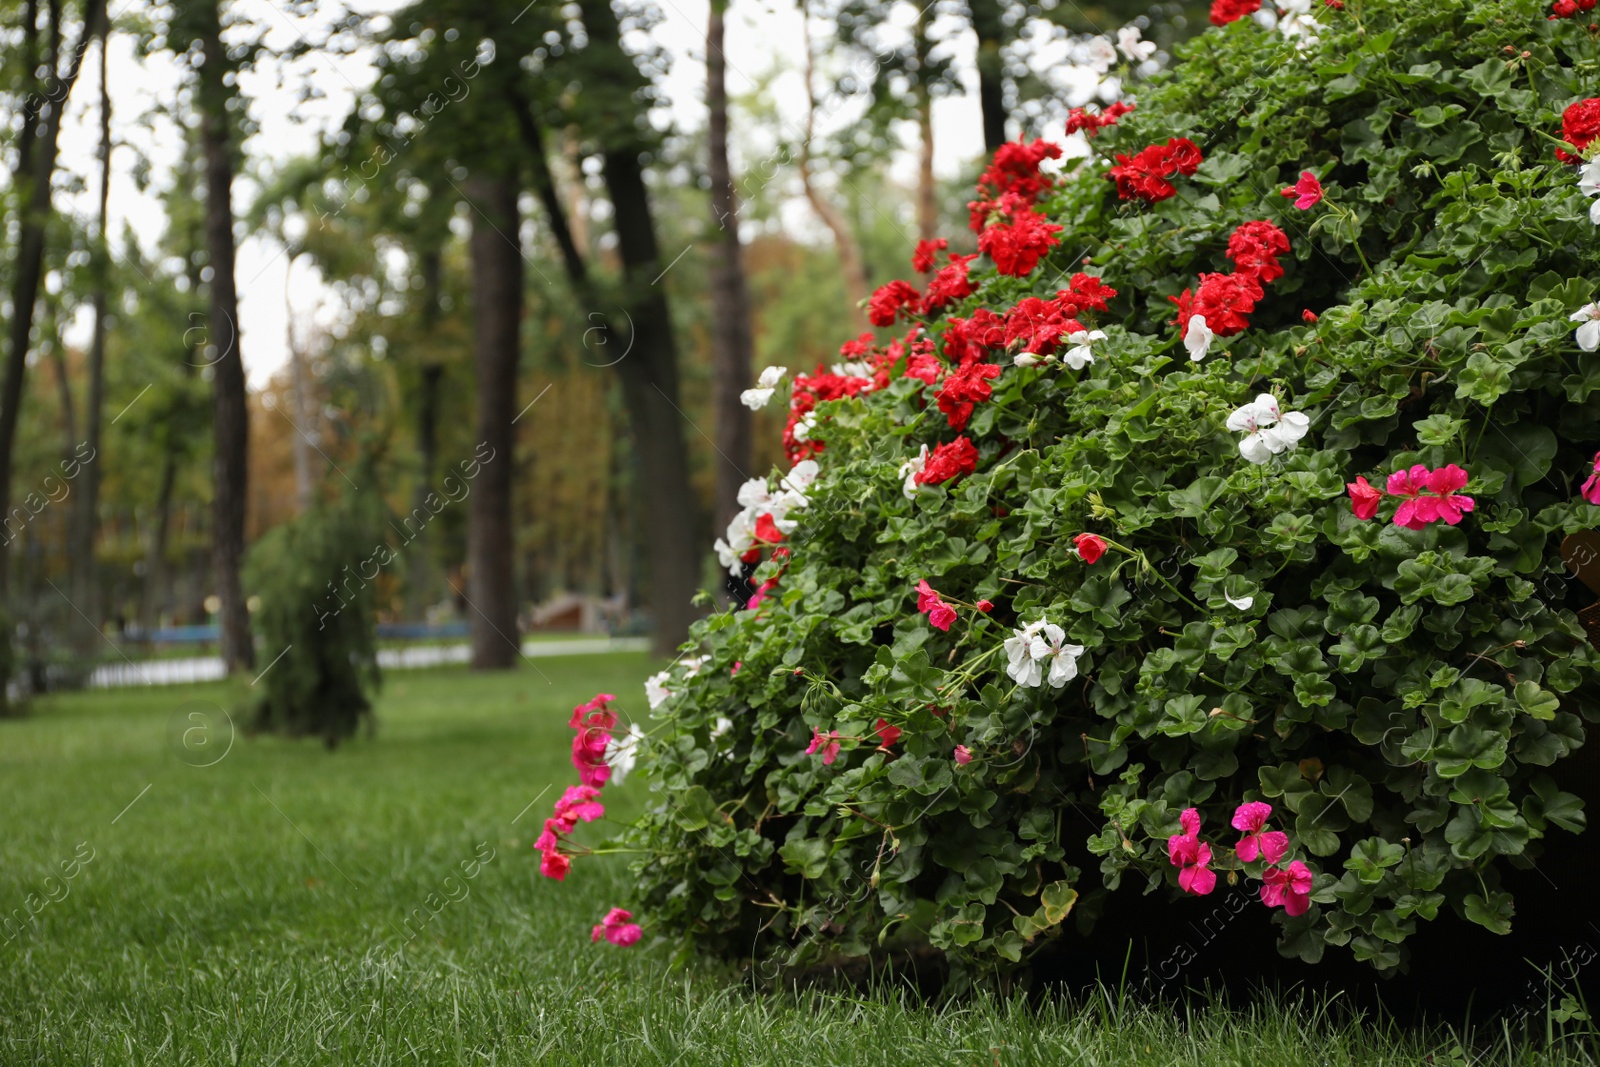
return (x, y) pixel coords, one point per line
(1017, 246)
(892, 300)
(1145, 174)
(1364, 498)
(964, 387)
(1090, 547)
(1226, 11)
(949, 285)
(887, 734)
(949, 460)
(926, 252)
(1580, 124)
(1091, 123)
(1307, 191)
(1015, 169)
(1255, 247)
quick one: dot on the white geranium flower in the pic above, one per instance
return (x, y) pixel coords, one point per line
(755, 494)
(1024, 359)
(655, 689)
(741, 538)
(1268, 430)
(692, 665)
(1022, 665)
(909, 471)
(1589, 177)
(1589, 332)
(800, 478)
(804, 428)
(1262, 411)
(1301, 28)
(1049, 647)
(1099, 54)
(1130, 45)
(1243, 603)
(722, 726)
(1080, 355)
(1197, 338)
(622, 753)
(852, 370)
(756, 399)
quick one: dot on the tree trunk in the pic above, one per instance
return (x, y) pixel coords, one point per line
(50, 330)
(497, 319)
(577, 217)
(927, 189)
(230, 415)
(650, 390)
(299, 442)
(155, 567)
(421, 578)
(86, 590)
(987, 24)
(730, 306)
(37, 149)
(850, 261)
(648, 370)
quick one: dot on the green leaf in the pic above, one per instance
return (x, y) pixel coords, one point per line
(1369, 858)
(805, 856)
(1492, 913)
(1540, 703)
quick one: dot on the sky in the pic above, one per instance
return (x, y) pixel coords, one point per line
(762, 36)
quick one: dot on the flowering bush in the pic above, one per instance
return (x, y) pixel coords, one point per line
(1073, 580)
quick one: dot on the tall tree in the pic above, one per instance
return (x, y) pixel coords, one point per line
(497, 322)
(230, 413)
(851, 264)
(37, 145)
(649, 372)
(988, 24)
(85, 588)
(927, 190)
(730, 303)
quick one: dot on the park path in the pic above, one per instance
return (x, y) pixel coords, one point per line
(210, 668)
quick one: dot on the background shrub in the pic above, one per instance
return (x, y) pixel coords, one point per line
(315, 577)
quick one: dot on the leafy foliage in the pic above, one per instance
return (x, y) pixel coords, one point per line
(314, 576)
(1397, 695)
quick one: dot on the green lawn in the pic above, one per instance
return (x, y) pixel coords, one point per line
(252, 911)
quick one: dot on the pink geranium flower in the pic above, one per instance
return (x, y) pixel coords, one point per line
(827, 744)
(1307, 191)
(1192, 856)
(761, 593)
(1250, 819)
(553, 864)
(963, 755)
(940, 614)
(1419, 508)
(617, 927)
(1445, 481)
(1290, 888)
(1591, 488)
